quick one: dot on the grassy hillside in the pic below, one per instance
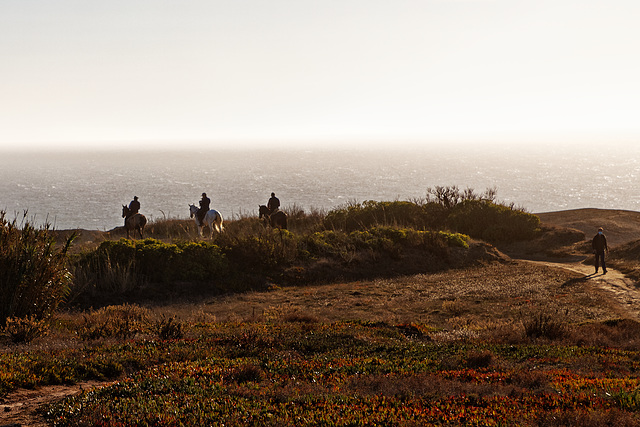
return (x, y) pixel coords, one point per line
(356, 241)
(375, 321)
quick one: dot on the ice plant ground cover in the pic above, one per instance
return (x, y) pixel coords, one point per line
(340, 373)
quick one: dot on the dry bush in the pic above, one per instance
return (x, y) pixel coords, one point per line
(299, 220)
(294, 211)
(615, 333)
(200, 316)
(531, 380)
(171, 228)
(26, 329)
(297, 317)
(246, 373)
(543, 324)
(479, 359)
(454, 307)
(120, 321)
(168, 328)
(505, 333)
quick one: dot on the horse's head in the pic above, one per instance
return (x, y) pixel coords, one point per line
(192, 210)
(262, 211)
(125, 211)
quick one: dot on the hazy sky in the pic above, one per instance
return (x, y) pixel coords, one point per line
(108, 72)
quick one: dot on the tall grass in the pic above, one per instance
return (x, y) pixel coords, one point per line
(33, 275)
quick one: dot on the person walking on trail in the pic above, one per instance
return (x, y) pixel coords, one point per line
(273, 204)
(204, 207)
(134, 206)
(599, 245)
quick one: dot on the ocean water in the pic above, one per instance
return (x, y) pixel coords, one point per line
(87, 189)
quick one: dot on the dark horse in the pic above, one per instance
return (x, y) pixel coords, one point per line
(277, 219)
(134, 222)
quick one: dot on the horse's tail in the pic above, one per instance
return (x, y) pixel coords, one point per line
(221, 222)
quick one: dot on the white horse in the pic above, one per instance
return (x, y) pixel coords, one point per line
(212, 218)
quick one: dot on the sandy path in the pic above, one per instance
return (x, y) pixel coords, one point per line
(20, 408)
(614, 284)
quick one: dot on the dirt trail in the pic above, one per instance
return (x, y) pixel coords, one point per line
(21, 407)
(613, 284)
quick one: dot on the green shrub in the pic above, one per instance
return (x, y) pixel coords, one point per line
(263, 250)
(151, 260)
(470, 213)
(455, 240)
(389, 240)
(435, 215)
(33, 274)
(199, 261)
(328, 242)
(492, 222)
(361, 216)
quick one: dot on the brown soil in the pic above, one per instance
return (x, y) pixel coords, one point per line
(466, 301)
(21, 407)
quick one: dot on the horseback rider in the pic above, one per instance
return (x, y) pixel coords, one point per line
(273, 204)
(134, 206)
(204, 207)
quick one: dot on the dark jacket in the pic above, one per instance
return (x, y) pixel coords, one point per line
(599, 243)
(273, 204)
(204, 204)
(134, 207)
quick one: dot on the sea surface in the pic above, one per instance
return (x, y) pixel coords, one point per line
(87, 189)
